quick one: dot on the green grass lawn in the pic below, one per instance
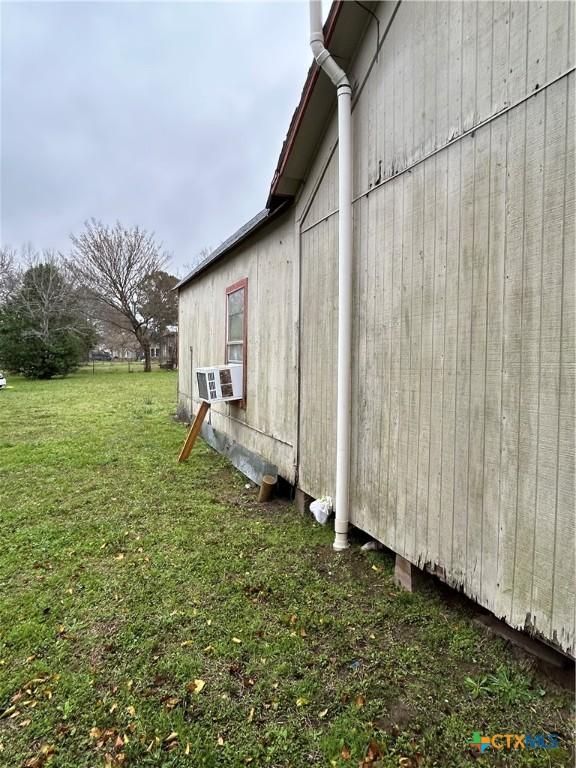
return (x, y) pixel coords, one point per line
(152, 614)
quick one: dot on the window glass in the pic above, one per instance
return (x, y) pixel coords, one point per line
(236, 302)
(235, 329)
(235, 353)
(236, 314)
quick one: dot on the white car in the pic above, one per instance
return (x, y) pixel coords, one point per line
(2, 380)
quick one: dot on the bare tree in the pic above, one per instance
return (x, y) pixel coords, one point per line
(8, 273)
(44, 329)
(116, 334)
(200, 257)
(48, 295)
(113, 264)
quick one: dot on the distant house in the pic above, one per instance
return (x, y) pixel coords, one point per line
(462, 437)
(124, 353)
(169, 347)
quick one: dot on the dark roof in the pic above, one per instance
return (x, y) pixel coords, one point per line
(252, 226)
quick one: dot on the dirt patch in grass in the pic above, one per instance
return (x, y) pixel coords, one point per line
(102, 641)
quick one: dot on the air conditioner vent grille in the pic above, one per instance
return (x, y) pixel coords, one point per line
(220, 383)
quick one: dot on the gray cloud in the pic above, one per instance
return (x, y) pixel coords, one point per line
(168, 115)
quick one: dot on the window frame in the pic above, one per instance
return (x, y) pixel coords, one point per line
(237, 286)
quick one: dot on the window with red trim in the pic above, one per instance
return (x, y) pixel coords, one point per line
(236, 315)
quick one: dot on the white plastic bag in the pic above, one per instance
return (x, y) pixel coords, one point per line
(371, 545)
(322, 509)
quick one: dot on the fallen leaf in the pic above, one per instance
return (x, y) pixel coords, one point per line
(251, 715)
(171, 737)
(24, 723)
(300, 702)
(187, 750)
(95, 733)
(360, 701)
(195, 686)
(220, 741)
(184, 643)
(120, 556)
(131, 711)
(373, 752)
(8, 712)
(113, 708)
(118, 744)
(323, 713)
(236, 640)
(346, 754)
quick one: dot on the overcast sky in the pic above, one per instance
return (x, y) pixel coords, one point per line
(167, 115)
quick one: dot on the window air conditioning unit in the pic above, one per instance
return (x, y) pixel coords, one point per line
(220, 383)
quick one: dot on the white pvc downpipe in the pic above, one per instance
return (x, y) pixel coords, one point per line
(344, 92)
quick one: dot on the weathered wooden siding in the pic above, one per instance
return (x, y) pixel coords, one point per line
(463, 367)
(268, 424)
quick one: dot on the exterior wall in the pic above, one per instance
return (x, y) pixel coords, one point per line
(267, 426)
(169, 348)
(463, 368)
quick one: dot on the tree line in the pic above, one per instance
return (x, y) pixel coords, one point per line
(55, 307)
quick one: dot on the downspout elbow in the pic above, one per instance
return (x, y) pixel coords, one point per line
(327, 63)
(321, 54)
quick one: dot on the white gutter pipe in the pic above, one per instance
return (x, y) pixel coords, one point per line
(344, 92)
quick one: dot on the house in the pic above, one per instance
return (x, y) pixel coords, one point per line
(168, 351)
(462, 364)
